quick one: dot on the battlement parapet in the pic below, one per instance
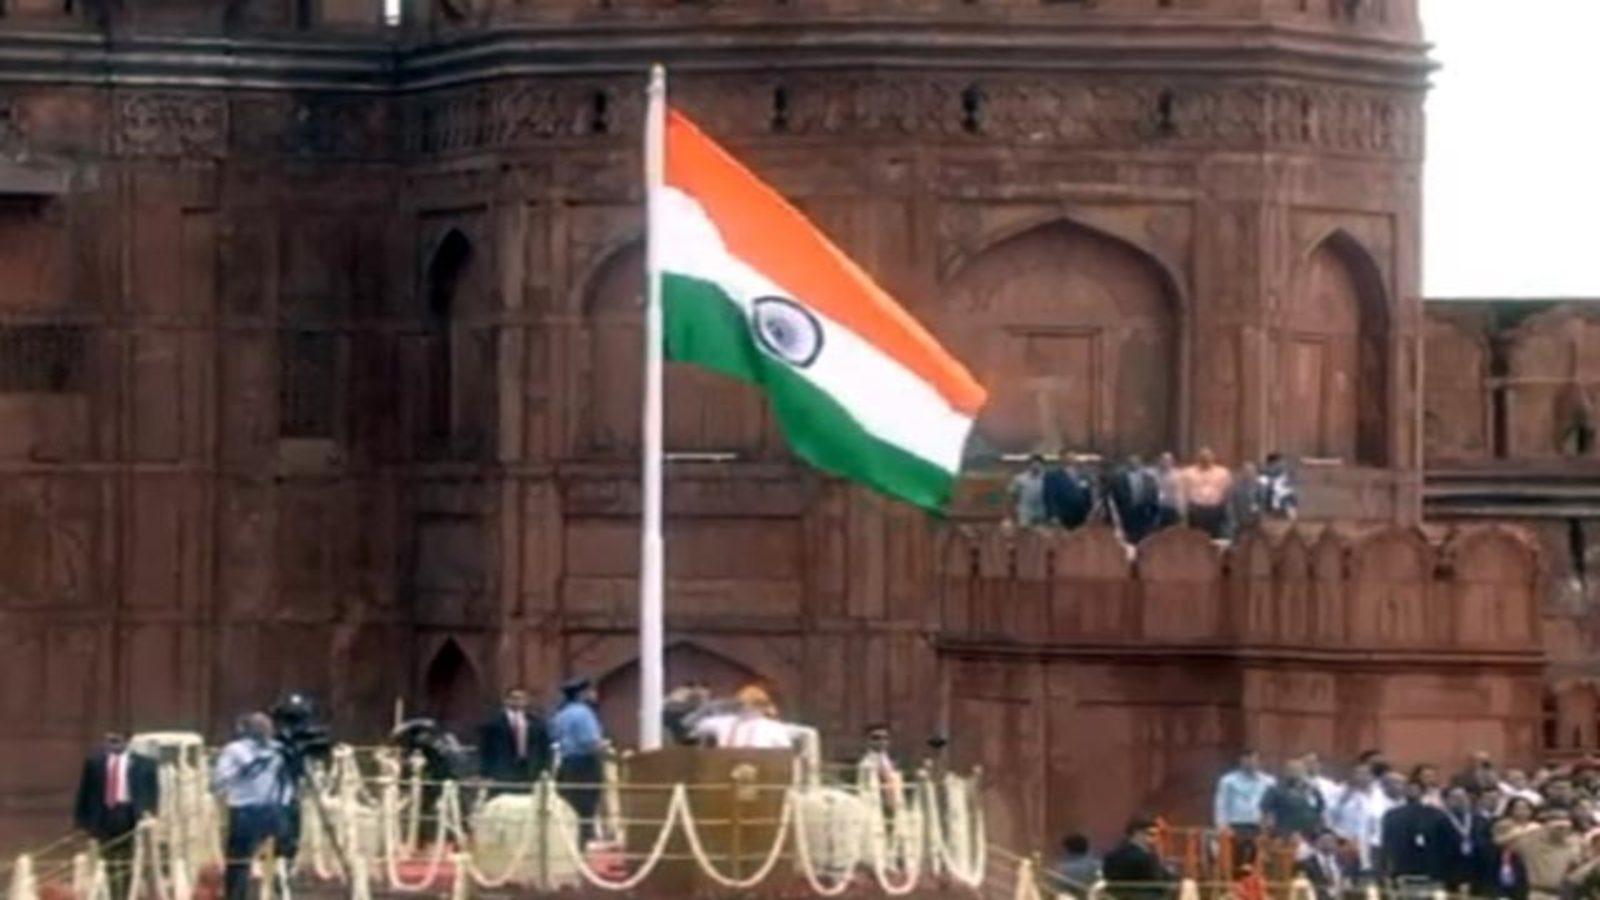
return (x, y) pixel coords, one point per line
(1320, 590)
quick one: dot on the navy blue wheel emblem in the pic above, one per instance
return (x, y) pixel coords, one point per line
(786, 330)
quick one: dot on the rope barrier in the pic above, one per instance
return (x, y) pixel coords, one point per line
(897, 835)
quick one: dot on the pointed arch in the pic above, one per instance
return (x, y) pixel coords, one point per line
(1334, 356)
(1078, 333)
(685, 662)
(452, 690)
(450, 377)
(706, 412)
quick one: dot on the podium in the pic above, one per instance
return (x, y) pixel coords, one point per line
(735, 798)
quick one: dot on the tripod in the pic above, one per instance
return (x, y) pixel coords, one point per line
(307, 780)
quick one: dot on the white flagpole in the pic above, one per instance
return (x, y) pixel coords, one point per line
(651, 550)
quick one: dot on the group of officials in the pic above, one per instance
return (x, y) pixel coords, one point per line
(255, 776)
(1138, 499)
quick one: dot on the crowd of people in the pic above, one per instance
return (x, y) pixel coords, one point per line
(257, 775)
(1486, 831)
(1138, 499)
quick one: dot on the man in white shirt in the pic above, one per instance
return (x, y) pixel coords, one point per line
(249, 775)
(1327, 787)
(754, 725)
(1356, 816)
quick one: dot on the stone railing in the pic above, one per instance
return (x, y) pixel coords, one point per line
(1312, 588)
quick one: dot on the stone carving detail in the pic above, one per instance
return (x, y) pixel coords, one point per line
(1026, 110)
(322, 126)
(168, 124)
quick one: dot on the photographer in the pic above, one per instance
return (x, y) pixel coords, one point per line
(301, 740)
(249, 775)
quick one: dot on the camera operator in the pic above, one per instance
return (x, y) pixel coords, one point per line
(249, 775)
(303, 740)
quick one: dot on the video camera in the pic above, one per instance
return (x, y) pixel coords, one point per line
(302, 735)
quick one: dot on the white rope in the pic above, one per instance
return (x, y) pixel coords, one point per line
(880, 838)
(1027, 887)
(81, 876)
(136, 867)
(360, 878)
(414, 814)
(23, 885)
(392, 846)
(461, 886)
(807, 863)
(675, 807)
(708, 866)
(539, 807)
(970, 871)
(99, 882)
(182, 884)
(147, 849)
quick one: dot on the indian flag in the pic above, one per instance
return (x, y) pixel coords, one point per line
(753, 290)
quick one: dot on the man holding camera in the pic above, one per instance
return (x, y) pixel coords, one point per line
(249, 776)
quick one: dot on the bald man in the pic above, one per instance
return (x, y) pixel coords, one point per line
(1206, 485)
(250, 778)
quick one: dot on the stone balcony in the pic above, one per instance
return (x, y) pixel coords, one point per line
(1461, 594)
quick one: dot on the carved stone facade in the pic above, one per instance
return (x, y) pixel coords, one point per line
(321, 372)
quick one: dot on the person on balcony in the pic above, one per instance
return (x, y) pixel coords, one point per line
(1068, 494)
(1280, 499)
(1135, 492)
(1170, 494)
(1027, 494)
(1205, 494)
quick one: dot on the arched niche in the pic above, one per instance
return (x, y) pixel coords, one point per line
(1251, 607)
(705, 411)
(1494, 584)
(1391, 573)
(1092, 569)
(1553, 393)
(1078, 336)
(1180, 583)
(451, 689)
(684, 662)
(459, 386)
(1333, 357)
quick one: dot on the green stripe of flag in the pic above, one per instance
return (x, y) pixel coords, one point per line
(705, 327)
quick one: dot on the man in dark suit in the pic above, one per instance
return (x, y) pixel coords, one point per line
(1324, 867)
(513, 745)
(1416, 840)
(116, 790)
(1134, 870)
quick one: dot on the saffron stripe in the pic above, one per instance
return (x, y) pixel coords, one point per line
(705, 326)
(769, 234)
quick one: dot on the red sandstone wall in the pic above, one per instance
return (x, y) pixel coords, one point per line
(321, 385)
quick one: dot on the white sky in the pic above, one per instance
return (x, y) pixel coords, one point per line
(1513, 174)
